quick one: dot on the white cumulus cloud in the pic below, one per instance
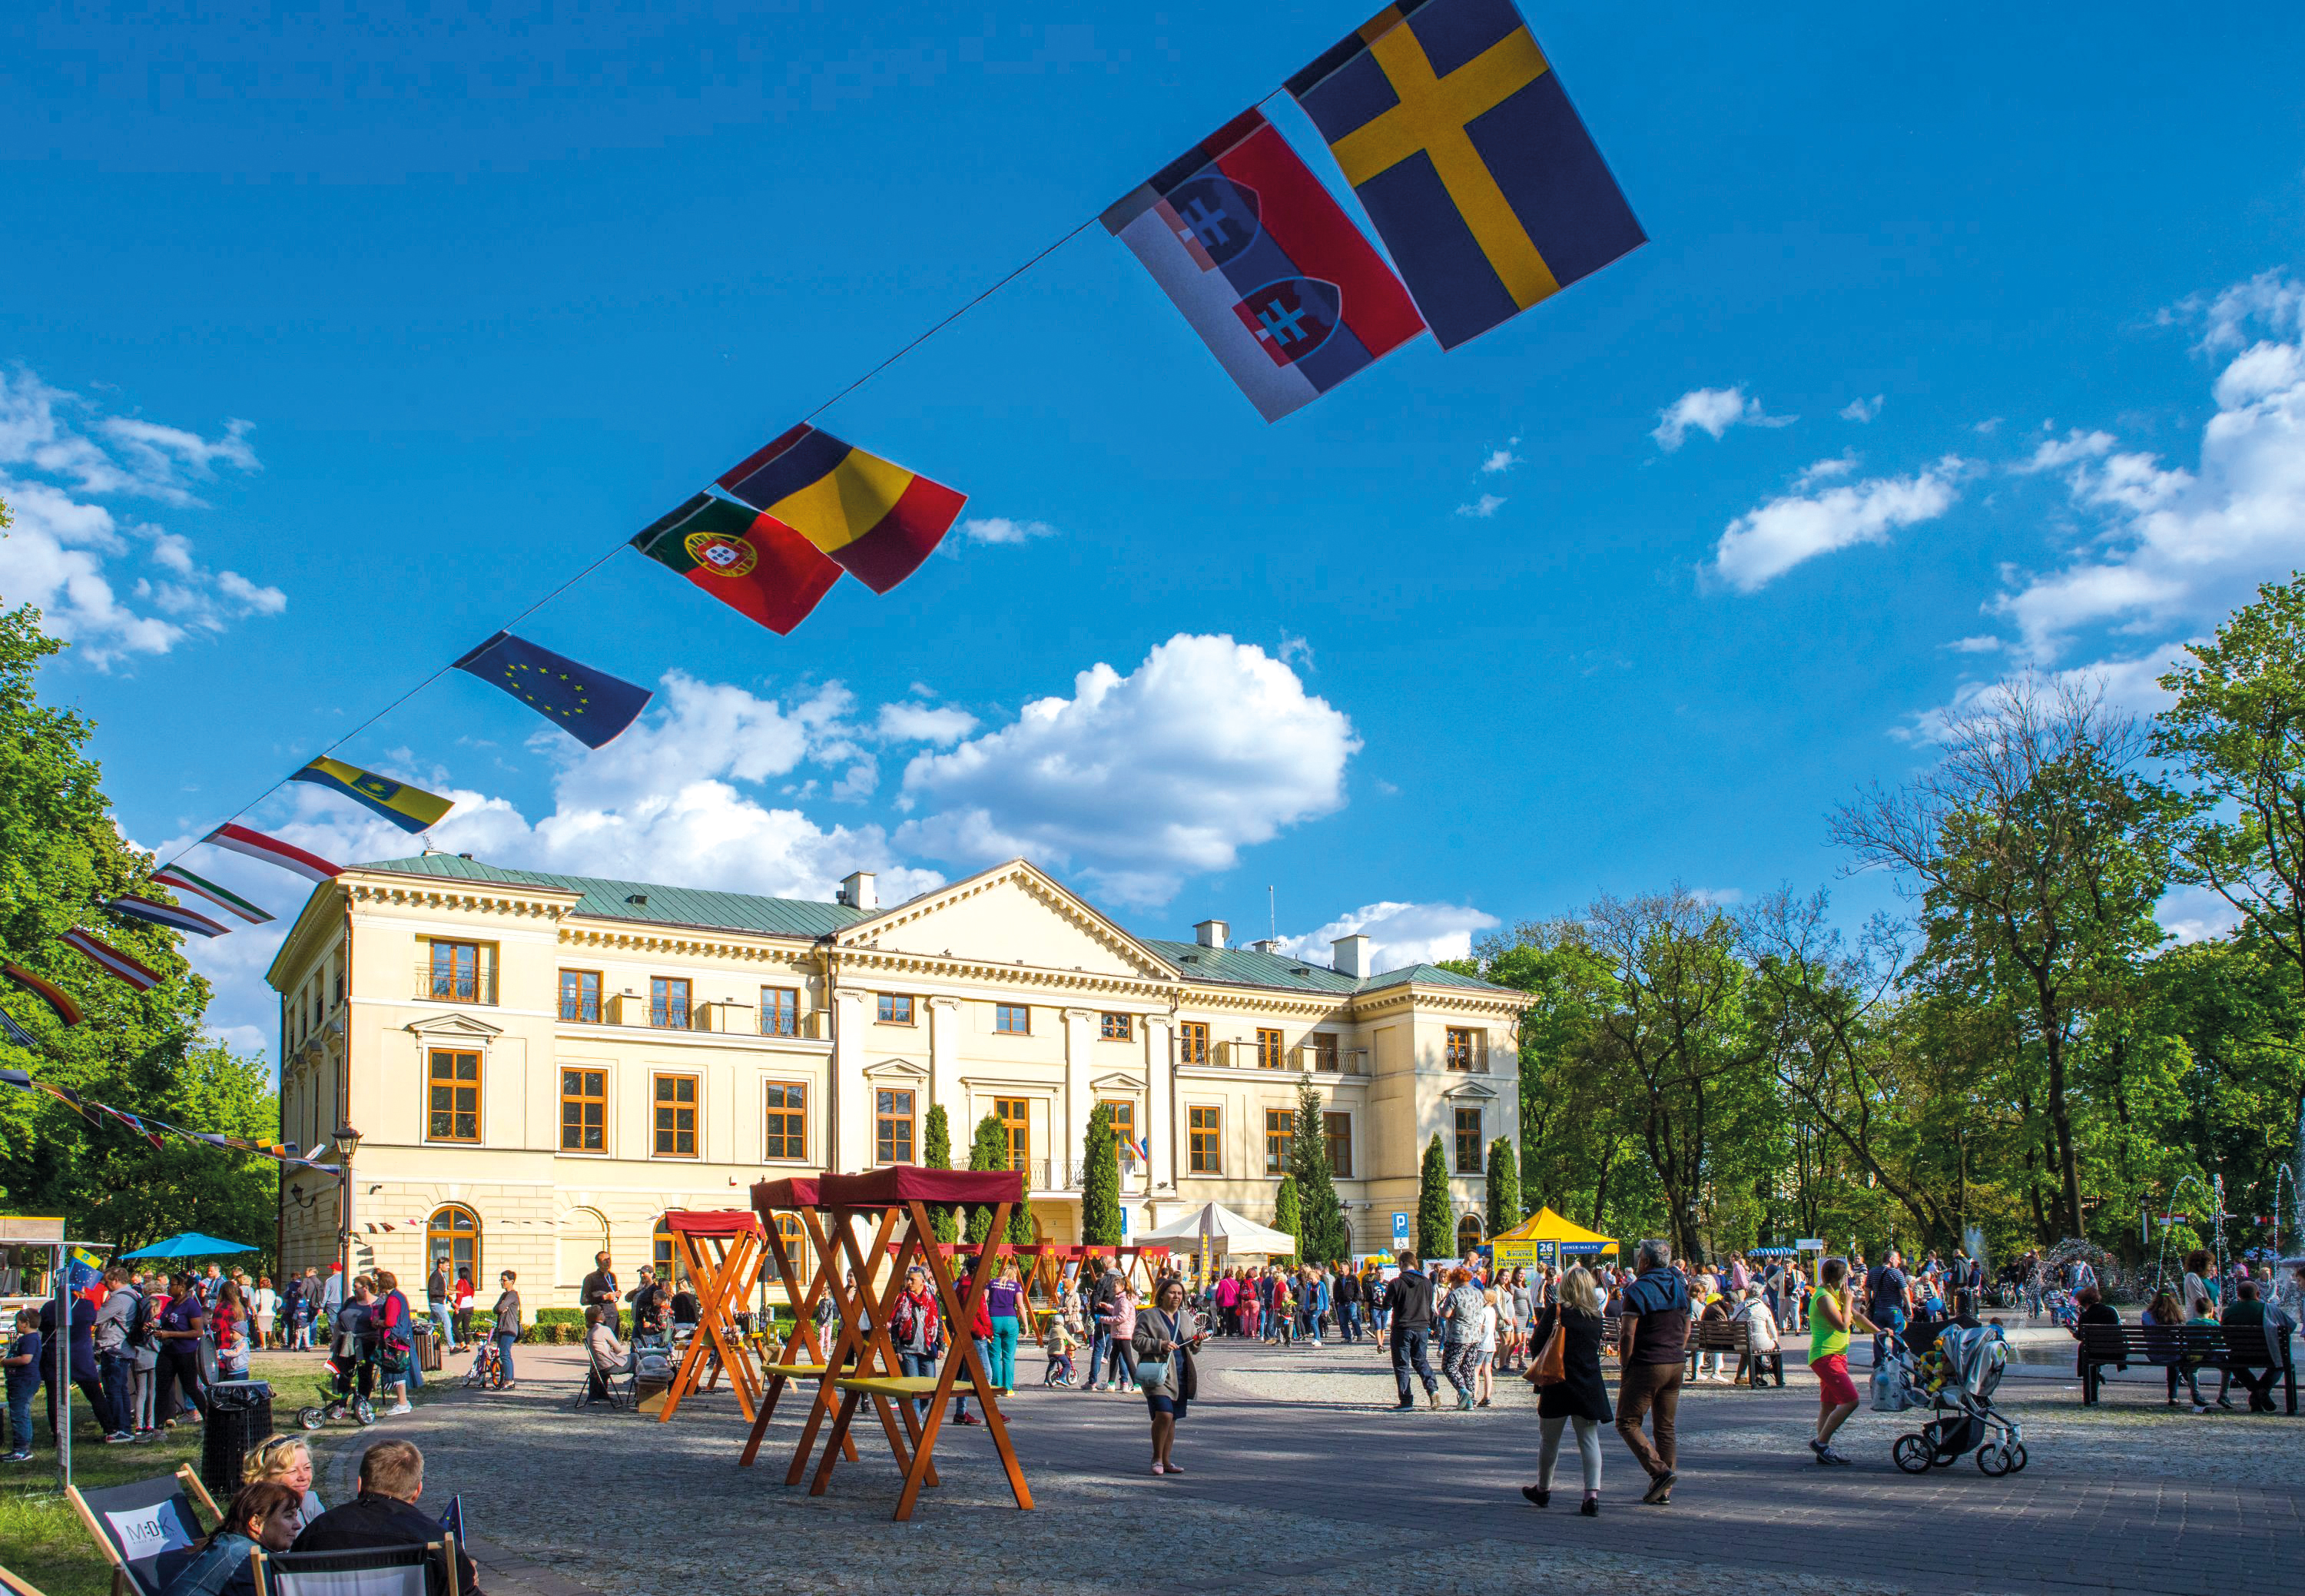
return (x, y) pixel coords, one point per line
(1482, 509)
(1861, 410)
(1399, 934)
(1764, 543)
(1501, 459)
(1712, 411)
(1139, 781)
(1000, 529)
(937, 723)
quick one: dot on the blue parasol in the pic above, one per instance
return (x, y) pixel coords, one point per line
(193, 1243)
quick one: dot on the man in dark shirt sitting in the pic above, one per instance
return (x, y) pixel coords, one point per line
(1653, 1339)
(385, 1513)
(1409, 1301)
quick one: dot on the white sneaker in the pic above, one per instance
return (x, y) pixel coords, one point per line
(399, 1407)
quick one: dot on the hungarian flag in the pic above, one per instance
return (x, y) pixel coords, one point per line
(1266, 266)
(110, 959)
(176, 878)
(152, 912)
(876, 520)
(58, 1000)
(753, 563)
(256, 845)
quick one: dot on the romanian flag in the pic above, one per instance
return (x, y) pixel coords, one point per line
(1453, 130)
(411, 808)
(110, 959)
(753, 563)
(57, 999)
(176, 878)
(876, 520)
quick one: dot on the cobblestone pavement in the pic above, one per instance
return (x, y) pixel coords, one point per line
(1294, 1461)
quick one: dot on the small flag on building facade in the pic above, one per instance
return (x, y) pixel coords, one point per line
(256, 845)
(59, 1000)
(411, 808)
(753, 563)
(178, 879)
(110, 959)
(1453, 130)
(170, 915)
(1266, 266)
(876, 520)
(590, 705)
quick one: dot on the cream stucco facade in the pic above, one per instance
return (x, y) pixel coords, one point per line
(539, 1066)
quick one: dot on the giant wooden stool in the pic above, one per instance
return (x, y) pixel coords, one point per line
(800, 1358)
(721, 1250)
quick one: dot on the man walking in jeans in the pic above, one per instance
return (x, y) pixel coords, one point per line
(1653, 1340)
(1409, 1301)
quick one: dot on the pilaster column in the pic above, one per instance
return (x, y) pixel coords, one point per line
(1166, 1165)
(850, 1138)
(943, 1066)
(1071, 1139)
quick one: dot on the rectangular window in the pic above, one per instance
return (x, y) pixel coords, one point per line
(1115, 1028)
(780, 1010)
(455, 971)
(1468, 1142)
(1279, 1133)
(1204, 1135)
(1324, 1045)
(892, 1127)
(1124, 1124)
(1192, 1043)
(584, 1111)
(1016, 1118)
(895, 1008)
(337, 976)
(579, 996)
(1014, 1019)
(676, 1116)
(1337, 1130)
(1463, 1048)
(1270, 1053)
(668, 1004)
(453, 1110)
(787, 1123)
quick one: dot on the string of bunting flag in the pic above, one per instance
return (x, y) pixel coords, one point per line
(1451, 126)
(144, 1124)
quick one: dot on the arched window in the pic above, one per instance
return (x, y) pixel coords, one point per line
(1468, 1234)
(453, 1236)
(795, 1247)
(666, 1254)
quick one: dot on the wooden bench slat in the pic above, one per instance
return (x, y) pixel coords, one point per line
(900, 1385)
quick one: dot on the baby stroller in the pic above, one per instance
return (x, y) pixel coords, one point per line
(486, 1372)
(339, 1400)
(1959, 1368)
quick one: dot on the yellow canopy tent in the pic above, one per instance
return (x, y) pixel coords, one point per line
(1541, 1239)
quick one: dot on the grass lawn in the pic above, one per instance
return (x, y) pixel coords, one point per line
(42, 1539)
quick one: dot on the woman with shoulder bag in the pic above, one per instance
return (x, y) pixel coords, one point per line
(1166, 1335)
(1566, 1373)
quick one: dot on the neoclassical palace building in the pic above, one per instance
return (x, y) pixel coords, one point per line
(539, 1066)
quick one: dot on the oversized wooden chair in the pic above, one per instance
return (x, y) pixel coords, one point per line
(722, 1250)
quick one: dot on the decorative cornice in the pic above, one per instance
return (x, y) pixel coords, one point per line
(1450, 999)
(854, 960)
(683, 942)
(471, 896)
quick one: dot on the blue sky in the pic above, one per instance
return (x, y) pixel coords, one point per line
(1967, 340)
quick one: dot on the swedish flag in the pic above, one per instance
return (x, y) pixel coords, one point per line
(1452, 128)
(411, 808)
(590, 705)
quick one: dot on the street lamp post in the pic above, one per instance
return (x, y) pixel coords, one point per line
(347, 1141)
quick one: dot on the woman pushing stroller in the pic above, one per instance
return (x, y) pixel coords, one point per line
(1832, 1314)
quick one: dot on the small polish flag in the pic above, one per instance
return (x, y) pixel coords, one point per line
(256, 845)
(110, 959)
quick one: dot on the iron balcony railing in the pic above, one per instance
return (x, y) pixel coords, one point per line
(456, 986)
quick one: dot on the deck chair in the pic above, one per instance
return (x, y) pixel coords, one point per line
(135, 1523)
(14, 1586)
(428, 1569)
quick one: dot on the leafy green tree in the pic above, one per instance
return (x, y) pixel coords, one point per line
(1504, 1187)
(989, 1151)
(1100, 1180)
(1323, 1236)
(936, 1150)
(1288, 1213)
(1436, 1223)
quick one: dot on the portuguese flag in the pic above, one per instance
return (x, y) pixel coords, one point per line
(752, 562)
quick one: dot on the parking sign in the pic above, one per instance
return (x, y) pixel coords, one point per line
(1399, 1229)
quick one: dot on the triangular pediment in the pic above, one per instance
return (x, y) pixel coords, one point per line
(895, 1069)
(1471, 1088)
(455, 1025)
(1013, 914)
(1117, 1081)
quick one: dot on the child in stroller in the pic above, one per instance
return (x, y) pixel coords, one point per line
(1955, 1366)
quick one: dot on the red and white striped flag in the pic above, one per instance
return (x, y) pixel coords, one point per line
(256, 845)
(110, 959)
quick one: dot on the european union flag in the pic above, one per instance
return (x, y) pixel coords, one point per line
(590, 705)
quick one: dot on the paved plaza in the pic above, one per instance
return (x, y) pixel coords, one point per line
(1297, 1473)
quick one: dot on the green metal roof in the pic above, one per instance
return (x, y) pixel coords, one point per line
(1245, 967)
(665, 906)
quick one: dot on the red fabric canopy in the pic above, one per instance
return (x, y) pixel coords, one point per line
(711, 1221)
(908, 1183)
(793, 1191)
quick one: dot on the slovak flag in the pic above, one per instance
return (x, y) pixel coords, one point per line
(1285, 291)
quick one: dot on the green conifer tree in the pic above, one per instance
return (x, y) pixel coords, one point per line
(1436, 1231)
(1504, 1187)
(936, 1149)
(1288, 1213)
(990, 1150)
(1100, 1180)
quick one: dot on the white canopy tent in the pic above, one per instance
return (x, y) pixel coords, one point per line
(1224, 1231)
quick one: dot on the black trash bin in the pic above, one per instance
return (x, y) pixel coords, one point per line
(240, 1415)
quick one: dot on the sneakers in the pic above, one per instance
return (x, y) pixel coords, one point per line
(1405, 1405)
(1464, 1402)
(1660, 1487)
(17, 1457)
(1827, 1454)
(1482, 1404)
(970, 1419)
(145, 1438)
(118, 1437)
(1433, 1397)
(1536, 1495)
(398, 1408)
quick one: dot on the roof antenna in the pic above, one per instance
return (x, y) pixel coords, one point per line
(1273, 914)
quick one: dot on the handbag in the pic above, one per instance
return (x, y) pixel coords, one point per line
(1154, 1371)
(1550, 1366)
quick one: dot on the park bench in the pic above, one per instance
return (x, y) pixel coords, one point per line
(1733, 1335)
(2215, 1346)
